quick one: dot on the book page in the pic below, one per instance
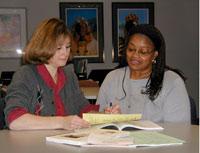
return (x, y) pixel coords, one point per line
(130, 125)
(114, 138)
(93, 137)
(94, 118)
(111, 126)
(77, 138)
(141, 124)
(149, 138)
(110, 137)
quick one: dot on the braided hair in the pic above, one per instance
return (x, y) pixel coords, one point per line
(154, 84)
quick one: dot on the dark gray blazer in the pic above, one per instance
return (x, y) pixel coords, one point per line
(23, 92)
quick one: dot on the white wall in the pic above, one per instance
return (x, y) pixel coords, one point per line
(177, 19)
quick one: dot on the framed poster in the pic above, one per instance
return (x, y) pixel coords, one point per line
(85, 22)
(124, 14)
(12, 32)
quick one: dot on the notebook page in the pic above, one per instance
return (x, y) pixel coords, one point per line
(94, 118)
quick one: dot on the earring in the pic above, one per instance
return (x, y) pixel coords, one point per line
(154, 61)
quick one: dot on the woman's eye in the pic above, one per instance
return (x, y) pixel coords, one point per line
(58, 48)
(131, 49)
(144, 52)
(68, 46)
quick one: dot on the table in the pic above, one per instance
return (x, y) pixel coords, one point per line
(34, 142)
(90, 89)
(90, 92)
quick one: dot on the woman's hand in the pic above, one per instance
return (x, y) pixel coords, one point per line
(34, 122)
(74, 122)
(115, 109)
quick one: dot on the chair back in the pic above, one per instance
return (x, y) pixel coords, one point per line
(99, 75)
(2, 116)
(6, 77)
(193, 111)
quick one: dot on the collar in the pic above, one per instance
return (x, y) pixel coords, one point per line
(42, 70)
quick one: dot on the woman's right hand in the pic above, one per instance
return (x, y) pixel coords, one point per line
(73, 122)
(115, 109)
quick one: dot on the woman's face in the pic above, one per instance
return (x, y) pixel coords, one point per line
(140, 53)
(62, 54)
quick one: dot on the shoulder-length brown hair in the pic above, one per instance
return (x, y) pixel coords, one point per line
(43, 43)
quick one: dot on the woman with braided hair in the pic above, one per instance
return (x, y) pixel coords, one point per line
(143, 83)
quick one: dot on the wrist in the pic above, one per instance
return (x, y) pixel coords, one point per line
(59, 122)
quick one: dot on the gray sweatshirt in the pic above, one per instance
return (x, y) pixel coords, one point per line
(171, 105)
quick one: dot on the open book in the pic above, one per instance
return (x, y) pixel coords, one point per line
(84, 137)
(114, 138)
(98, 118)
(130, 125)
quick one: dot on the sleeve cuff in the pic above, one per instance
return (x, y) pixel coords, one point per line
(16, 113)
(88, 108)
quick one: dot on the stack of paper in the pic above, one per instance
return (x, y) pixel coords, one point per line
(93, 118)
(114, 138)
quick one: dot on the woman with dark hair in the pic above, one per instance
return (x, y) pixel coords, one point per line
(143, 83)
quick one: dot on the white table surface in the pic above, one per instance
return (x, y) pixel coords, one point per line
(34, 142)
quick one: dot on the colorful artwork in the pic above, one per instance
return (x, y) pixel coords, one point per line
(85, 22)
(125, 16)
(12, 32)
(9, 33)
(83, 26)
(137, 16)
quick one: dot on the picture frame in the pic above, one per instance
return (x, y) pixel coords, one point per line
(140, 12)
(13, 32)
(85, 22)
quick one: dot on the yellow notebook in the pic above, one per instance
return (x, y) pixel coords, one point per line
(97, 118)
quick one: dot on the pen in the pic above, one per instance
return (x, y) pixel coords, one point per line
(110, 107)
(111, 104)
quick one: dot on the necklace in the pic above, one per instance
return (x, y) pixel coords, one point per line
(142, 76)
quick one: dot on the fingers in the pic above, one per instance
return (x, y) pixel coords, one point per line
(79, 122)
(108, 110)
(75, 122)
(115, 109)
